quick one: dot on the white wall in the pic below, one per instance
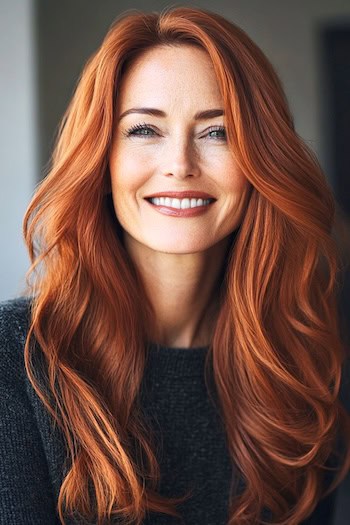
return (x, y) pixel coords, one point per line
(17, 138)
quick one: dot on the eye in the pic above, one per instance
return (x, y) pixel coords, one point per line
(217, 132)
(141, 130)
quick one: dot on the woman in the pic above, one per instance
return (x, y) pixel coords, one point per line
(181, 344)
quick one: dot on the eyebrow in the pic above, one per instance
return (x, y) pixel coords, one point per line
(201, 115)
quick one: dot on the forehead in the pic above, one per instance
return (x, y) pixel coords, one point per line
(170, 75)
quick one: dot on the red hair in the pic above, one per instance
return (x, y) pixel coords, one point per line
(276, 351)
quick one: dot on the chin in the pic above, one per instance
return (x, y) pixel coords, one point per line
(179, 247)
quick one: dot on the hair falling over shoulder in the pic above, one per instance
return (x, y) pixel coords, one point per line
(276, 353)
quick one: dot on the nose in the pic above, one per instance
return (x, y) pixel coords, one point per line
(180, 159)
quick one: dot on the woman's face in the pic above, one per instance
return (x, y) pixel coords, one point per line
(170, 141)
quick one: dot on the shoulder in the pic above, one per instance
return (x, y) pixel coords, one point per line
(14, 323)
(25, 480)
(14, 313)
(14, 317)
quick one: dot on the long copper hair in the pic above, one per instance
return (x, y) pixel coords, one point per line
(276, 352)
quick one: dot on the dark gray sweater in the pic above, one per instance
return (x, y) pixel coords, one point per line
(175, 398)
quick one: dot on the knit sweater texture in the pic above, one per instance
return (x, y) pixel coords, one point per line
(191, 450)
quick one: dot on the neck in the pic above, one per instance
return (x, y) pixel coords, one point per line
(183, 290)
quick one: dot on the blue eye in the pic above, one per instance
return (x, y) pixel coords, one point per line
(142, 130)
(145, 130)
(217, 132)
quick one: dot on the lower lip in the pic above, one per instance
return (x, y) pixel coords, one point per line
(185, 212)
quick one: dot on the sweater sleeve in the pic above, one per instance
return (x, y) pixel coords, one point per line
(26, 495)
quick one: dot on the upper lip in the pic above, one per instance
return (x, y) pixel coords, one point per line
(181, 194)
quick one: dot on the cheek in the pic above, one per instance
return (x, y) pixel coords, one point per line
(219, 162)
(230, 177)
(240, 183)
(237, 188)
(128, 174)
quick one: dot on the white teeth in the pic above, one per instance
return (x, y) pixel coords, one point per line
(179, 203)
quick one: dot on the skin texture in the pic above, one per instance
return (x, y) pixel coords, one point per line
(180, 258)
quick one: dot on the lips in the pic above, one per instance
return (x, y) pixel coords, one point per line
(184, 204)
(182, 195)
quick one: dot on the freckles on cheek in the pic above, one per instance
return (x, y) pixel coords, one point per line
(123, 172)
(137, 161)
(236, 179)
(230, 181)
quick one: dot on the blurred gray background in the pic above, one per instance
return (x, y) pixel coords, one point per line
(45, 43)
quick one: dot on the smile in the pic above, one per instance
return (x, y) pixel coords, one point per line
(186, 205)
(179, 203)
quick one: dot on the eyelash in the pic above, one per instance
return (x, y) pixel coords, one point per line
(132, 131)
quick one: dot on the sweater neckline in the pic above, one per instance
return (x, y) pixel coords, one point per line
(176, 361)
(163, 348)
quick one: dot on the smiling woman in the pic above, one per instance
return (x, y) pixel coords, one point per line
(177, 190)
(177, 354)
(181, 152)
